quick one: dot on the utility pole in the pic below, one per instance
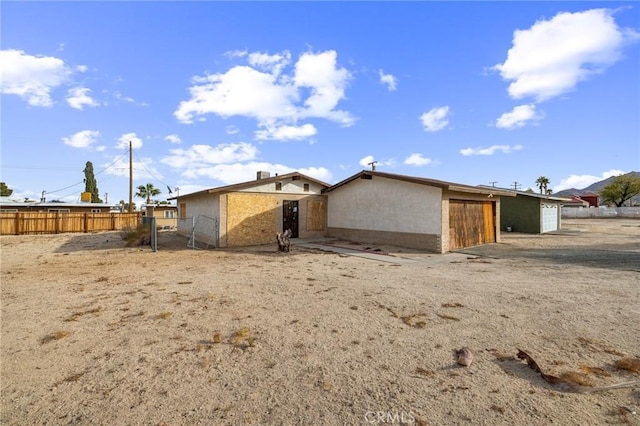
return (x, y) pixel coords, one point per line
(106, 198)
(42, 199)
(373, 165)
(493, 183)
(516, 185)
(130, 178)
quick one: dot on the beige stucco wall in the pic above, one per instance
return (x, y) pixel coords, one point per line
(382, 204)
(202, 204)
(289, 186)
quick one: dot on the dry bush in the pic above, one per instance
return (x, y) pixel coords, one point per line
(629, 364)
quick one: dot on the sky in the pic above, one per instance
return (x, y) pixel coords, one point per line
(210, 93)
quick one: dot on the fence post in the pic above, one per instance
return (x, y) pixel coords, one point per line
(57, 223)
(86, 222)
(18, 223)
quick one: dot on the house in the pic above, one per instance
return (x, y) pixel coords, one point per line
(592, 198)
(251, 213)
(8, 205)
(532, 213)
(414, 212)
(166, 215)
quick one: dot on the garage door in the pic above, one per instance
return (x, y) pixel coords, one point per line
(471, 223)
(549, 217)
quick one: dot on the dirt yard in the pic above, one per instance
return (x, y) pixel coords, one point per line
(97, 333)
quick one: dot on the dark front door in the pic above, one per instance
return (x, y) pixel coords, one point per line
(290, 217)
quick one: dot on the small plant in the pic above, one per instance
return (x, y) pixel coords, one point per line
(164, 315)
(54, 336)
(629, 364)
(217, 338)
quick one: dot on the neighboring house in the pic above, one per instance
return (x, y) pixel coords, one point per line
(592, 198)
(426, 214)
(532, 213)
(166, 215)
(575, 201)
(251, 213)
(8, 205)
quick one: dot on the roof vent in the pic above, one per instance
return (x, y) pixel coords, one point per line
(263, 175)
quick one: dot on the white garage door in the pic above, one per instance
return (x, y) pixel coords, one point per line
(549, 217)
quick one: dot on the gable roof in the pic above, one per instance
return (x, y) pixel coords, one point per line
(450, 186)
(249, 184)
(536, 195)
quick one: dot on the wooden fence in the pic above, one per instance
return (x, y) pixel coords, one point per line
(17, 223)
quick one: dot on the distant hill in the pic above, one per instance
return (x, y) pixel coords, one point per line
(595, 187)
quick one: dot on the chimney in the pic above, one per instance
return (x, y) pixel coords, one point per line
(263, 175)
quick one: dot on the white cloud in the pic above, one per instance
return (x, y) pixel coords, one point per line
(173, 138)
(243, 172)
(388, 79)
(435, 119)
(271, 63)
(78, 98)
(31, 77)
(505, 149)
(201, 156)
(364, 162)
(83, 139)
(123, 141)
(552, 56)
(287, 132)
(518, 117)
(273, 98)
(417, 159)
(582, 181)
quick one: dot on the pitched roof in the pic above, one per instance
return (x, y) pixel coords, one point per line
(249, 184)
(536, 195)
(450, 186)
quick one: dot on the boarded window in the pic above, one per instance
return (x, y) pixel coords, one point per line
(183, 210)
(316, 215)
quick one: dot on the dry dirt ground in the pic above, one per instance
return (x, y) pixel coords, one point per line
(97, 333)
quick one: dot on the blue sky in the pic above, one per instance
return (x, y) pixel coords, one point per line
(209, 93)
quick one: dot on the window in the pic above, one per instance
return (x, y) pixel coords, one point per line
(278, 186)
(96, 210)
(8, 210)
(169, 214)
(306, 187)
(58, 210)
(295, 177)
(183, 210)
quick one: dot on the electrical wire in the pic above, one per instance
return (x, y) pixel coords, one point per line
(95, 174)
(151, 174)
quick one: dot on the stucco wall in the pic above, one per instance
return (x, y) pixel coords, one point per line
(203, 204)
(288, 186)
(382, 204)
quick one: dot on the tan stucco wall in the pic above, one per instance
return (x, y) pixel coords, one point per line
(203, 204)
(382, 204)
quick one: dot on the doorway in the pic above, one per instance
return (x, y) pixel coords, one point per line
(290, 217)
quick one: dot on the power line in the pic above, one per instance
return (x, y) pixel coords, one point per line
(95, 174)
(149, 172)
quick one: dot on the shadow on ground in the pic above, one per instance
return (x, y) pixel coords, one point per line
(625, 257)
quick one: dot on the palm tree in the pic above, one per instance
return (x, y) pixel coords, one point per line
(147, 191)
(543, 184)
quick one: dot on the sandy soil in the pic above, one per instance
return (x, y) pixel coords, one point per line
(96, 333)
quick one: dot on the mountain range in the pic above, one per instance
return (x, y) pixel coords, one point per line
(595, 187)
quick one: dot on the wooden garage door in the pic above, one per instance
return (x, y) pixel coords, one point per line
(471, 223)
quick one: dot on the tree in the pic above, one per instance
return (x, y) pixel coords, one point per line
(5, 191)
(620, 190)
(147, 191)
(543, 183)
(90, 184)
(124, 207)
